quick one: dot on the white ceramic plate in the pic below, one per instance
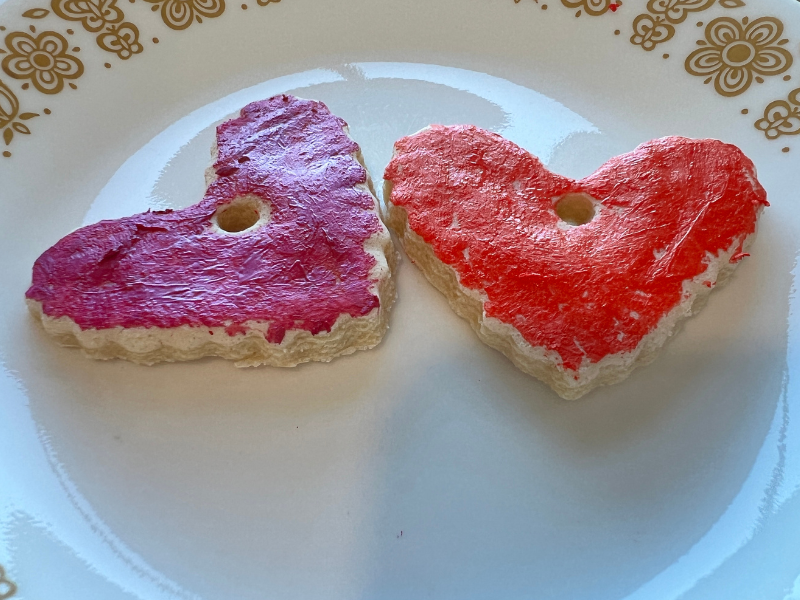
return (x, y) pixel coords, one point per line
(429, 467)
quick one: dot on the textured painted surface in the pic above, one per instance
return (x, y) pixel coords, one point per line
(301, 270)
(487, 208)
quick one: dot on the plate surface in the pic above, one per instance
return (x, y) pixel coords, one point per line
(428, 467)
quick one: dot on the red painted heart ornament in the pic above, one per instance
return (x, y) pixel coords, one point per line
(651, 219)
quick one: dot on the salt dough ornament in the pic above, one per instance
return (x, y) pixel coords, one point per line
(284, 260)
(577, 282)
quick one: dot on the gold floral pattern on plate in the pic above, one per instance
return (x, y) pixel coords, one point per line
(10, 117)
(180, 14)
(733, 53)
(104, 16)
(657, 25)
(46, 62)
(94, 15)
(36, 13)
(7, 587)
(122, 40)
(44, 59)
(781, 117)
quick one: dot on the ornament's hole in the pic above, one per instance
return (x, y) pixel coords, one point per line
(243, 214)
(575, 209)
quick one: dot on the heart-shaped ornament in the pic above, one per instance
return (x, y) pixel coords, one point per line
(284, 260)
(577, 282)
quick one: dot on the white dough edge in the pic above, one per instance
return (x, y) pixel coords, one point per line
(546, 365)
(151, 345)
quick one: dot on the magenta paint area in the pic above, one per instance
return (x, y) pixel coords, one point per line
(301, 270)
